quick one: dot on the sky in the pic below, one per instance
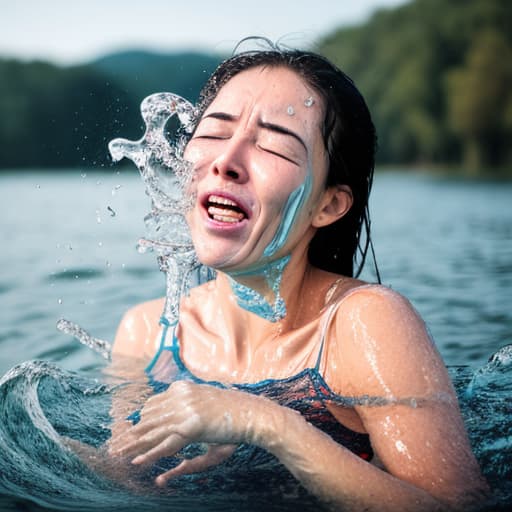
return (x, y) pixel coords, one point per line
(75, 31)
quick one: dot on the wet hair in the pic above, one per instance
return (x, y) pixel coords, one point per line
(349, 137)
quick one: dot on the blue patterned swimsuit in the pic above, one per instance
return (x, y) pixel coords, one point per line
(250, 467)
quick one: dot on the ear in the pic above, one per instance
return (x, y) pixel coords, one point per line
(335, 203)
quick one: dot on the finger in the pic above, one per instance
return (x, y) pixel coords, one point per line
(150, 422)
(215, 455)
(132, 445)
(117, 444)
(166, 448)
(130, 438)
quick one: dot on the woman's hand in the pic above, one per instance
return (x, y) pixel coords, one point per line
(187, 413)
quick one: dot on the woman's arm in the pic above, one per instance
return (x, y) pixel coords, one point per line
(384, 350)
(416, 429)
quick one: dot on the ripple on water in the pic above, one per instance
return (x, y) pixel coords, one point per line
(76, 273)
(140, 272)
(10, 334)
(6, 287)
(58, 353)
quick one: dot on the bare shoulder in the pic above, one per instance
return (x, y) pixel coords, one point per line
(385, 344)
(137, 332)
(384, 350)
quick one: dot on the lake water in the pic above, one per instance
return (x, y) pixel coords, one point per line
(69, 251)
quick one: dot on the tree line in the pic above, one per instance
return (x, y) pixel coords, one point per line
(437, 75)
(59, 117)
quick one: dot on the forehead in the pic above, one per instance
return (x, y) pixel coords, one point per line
(272, 91)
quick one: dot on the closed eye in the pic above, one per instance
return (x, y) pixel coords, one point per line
(214, 137)
(280, 155)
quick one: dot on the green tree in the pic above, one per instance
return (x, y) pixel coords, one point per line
(413, 64)
(480, 101)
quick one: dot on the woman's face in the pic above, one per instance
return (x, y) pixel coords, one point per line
(258, 142)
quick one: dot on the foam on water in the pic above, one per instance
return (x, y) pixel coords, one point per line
(55, 424)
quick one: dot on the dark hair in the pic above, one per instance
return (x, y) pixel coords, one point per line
(350, 142)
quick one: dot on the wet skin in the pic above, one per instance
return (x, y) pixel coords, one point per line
(255, 154)
(250, 155)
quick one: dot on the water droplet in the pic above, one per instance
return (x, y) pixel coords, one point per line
(38, 186)
(83, 175)
(112, 212)
(59, 301)
(98, 217)
(100, 244)
(290, 111)
(108, 264)
(308, 102)
(115, 189)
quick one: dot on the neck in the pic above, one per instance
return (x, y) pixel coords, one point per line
(258, 290)
(272, 291)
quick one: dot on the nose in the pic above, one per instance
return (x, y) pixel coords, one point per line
(232, 161)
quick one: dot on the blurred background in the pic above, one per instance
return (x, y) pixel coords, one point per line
(437, 75)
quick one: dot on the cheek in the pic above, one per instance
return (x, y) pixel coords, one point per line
(193, 153)
(276, 181)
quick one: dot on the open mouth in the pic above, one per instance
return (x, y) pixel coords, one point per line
(223, 209)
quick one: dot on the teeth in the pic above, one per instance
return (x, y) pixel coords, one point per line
(224, 214)
(221, 200)
(222, 218)
(223, 209)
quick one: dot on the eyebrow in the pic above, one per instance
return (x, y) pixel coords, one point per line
(224, 116)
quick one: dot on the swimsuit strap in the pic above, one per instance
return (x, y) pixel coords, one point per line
(325, 325)
(174, 344)
(332, 309)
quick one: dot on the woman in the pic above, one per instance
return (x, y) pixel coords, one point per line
(283, 156)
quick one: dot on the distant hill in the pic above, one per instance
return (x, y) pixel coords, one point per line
(52, 116)
(141, 73)
(437, 75)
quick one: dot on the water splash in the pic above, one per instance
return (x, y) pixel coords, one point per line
(102, 347)
(43, 407)
(487, 410)
(495, 374)
(167, 177)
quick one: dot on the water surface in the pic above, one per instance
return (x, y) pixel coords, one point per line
(69, 251)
